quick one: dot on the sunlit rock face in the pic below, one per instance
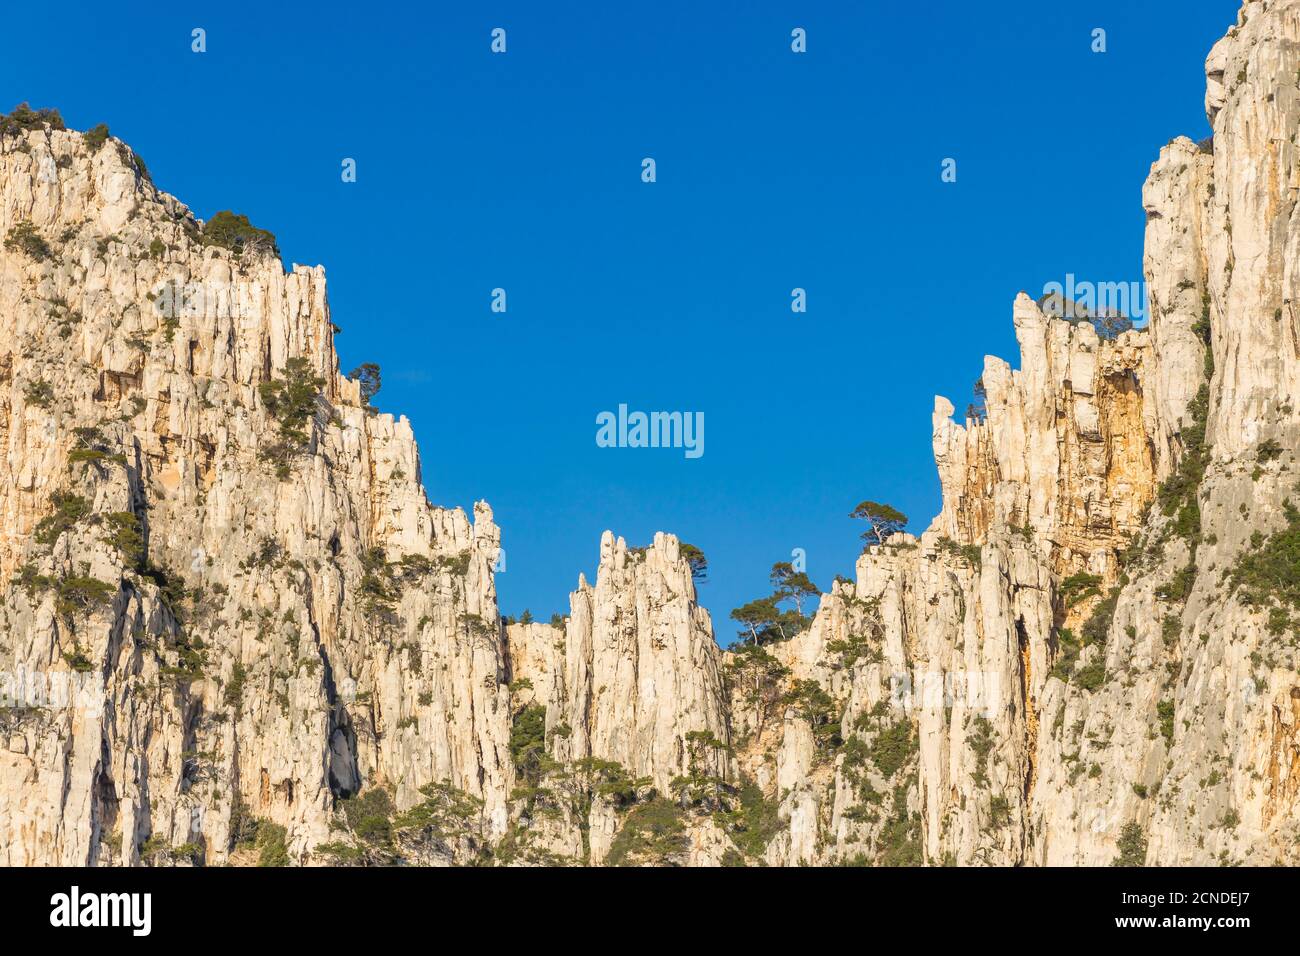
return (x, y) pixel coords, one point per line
(246, 669)
(232, 628)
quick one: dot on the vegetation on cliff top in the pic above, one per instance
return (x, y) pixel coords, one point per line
(24, 118)
(884, 521)
(233, 231)
(765, 620)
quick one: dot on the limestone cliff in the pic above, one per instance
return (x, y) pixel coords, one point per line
(1094, 643)
(233, 629)
(275, 621)
(629, 684)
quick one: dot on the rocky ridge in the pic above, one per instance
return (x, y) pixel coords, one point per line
(272, 648)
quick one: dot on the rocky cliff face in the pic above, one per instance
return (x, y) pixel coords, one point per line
(275, 621)
(629, 690)
(232, 628)
(1104, 608)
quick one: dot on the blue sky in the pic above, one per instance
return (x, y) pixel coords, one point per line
(775, 171)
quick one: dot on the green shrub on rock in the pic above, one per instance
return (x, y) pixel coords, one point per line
(654, 834)
(24, 238)
(24, 118)
(234, 232)
(95, 137)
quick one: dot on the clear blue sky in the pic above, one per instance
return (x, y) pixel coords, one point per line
(775, 170)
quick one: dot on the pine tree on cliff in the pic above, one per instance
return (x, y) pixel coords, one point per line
(696, 561)
(885, 521)
(792, 585)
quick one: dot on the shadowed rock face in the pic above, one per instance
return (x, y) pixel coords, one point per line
(231, 625)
